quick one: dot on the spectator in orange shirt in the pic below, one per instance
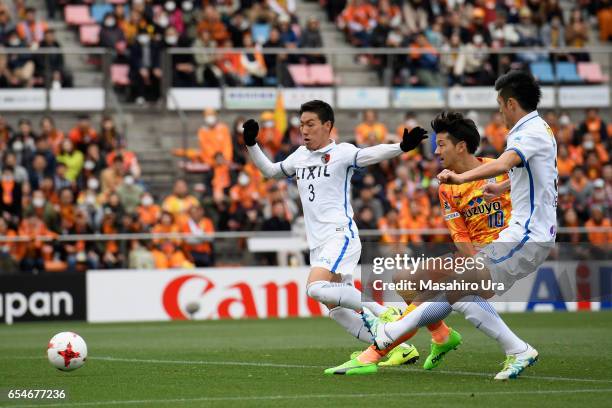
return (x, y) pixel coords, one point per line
(357, 20)
(601, 239)
(565, 164)
(32, 253)
(370, 132)
(496, 132)
(166, 225)
(594, 125)
(31, 31)
(168, 256)
(221, 175)
(148, 212)
(270, 138)
(83, 133)
(589, 144)
(424, 63)
(53, 134)
(199, 247)
(180, 201)
(214, 137)
(213, 24)
(130, 160)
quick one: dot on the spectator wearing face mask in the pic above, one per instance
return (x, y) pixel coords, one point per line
(148, 212)
(110, 33)
(214, 137)
(129, 193)
(245, 192)
(183, 65)
(145, 67)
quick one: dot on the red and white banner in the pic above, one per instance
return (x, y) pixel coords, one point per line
(212, 293)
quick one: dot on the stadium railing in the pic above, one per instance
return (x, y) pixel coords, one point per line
(232, 254)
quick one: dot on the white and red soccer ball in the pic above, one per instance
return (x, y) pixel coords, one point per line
(67, 351)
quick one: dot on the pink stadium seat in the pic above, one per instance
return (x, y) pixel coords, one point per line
(77, 15)
(89, 34)
(300, 74)
(120, 74)
(322, 74)
(591, 72)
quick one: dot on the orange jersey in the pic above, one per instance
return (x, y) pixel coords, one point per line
(469, 217)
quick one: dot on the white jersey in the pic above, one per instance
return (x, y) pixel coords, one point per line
(324, 182)
(533, 184)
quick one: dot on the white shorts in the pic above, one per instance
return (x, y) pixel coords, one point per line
(513, 255)
(340, 254)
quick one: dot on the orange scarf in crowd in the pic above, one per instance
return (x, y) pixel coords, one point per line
(7, 191)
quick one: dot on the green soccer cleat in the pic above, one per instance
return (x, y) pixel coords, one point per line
(390, 315)
(438, 351)
(402, 354)
(353, 367)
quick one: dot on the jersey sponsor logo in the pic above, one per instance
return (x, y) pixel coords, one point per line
(447, 206)
(478, 206)
(312, 172)
(450, 216)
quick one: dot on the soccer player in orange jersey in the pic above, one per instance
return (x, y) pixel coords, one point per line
(475, 213)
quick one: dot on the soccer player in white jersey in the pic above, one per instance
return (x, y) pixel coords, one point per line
(530, 159)
(323, 171)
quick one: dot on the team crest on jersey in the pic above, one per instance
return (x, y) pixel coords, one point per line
(447, 206)
(325, 158)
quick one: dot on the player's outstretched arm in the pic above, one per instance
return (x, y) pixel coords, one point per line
(492, 191)
(268, 169)
(375, 154)
(501, 165)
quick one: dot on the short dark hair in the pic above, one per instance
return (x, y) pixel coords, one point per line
(322, 109)
(522, 86)
(458, 128)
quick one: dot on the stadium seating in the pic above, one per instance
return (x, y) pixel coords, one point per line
(315, 74)
(77, 15)
(543, 71)
(98, 11)
(260, 32)
(591, 72)
(120, 74)
(89, 34)
(566, 72)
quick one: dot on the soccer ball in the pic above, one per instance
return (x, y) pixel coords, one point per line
(67, 351)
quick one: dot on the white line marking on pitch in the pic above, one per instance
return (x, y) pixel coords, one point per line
(308, 396)
(275, 365)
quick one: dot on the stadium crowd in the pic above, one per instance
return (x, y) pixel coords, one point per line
(85, 181)
(453, 39)
(138, 32)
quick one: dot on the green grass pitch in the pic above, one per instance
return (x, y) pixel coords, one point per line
(281, 362)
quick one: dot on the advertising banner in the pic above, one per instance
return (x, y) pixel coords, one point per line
(57, 296)
(194, 98)
(213, 293)
(250, 98)
(22, 99)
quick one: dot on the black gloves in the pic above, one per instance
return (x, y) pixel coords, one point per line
(410, 140)
(251, 129)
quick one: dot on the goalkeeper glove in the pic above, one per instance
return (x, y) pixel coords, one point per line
(410, 140)
(251, 129)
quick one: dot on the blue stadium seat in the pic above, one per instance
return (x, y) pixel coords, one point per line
(260, 33)
(542, 71)
(98, 11)
(566, 72)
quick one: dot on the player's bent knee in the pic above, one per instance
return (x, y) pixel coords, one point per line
(315, 290)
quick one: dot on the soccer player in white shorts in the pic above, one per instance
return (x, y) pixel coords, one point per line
(530, 159)
(323, 170)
